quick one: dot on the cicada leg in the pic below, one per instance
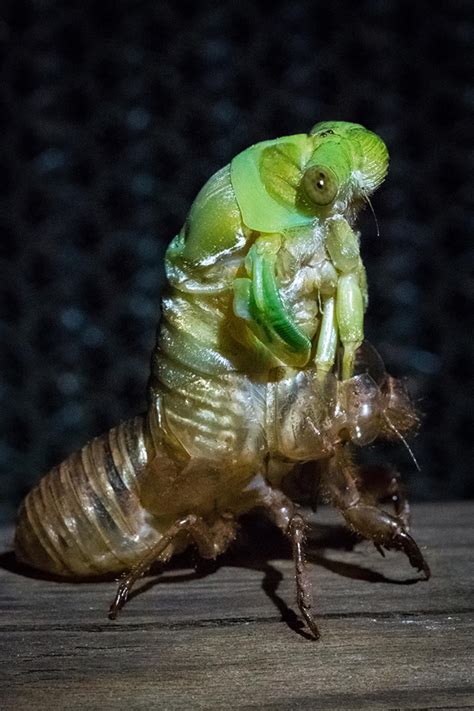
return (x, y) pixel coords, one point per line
(380, 483)
(282, 511)
(304, 588)
(365, 519)
(210, 542)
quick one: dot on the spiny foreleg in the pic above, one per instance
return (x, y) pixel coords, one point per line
(369, 521)
(378, 484)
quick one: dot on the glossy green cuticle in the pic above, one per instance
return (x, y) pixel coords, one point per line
(343, 245)
(258, 299)
(350, 319)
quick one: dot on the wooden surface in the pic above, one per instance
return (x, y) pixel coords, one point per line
(228, 637)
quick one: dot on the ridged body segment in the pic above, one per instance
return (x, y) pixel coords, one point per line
(85, 517)
(211, 405)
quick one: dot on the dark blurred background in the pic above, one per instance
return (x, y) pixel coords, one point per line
(114, 113)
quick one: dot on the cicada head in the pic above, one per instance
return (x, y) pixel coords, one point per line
(347, 165)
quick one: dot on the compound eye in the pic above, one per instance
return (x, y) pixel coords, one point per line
(320, 184)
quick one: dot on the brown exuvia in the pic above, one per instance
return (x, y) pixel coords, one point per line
(259, 367)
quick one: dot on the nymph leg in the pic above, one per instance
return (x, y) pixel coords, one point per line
(343, 247)
(257, 299)
(365, 519)
(304, 588)
(327, 341)
(210, 543)
(382, 483)
(282, 511)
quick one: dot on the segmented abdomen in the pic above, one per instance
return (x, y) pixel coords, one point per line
(212, 408)
(84, 518)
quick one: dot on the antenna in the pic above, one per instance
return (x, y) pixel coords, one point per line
(402, 439)
(366, 198)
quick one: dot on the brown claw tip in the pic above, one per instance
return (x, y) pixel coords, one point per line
(423, 567)
(312, 626)
(316, 634)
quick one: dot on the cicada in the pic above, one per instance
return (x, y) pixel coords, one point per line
(257, 371)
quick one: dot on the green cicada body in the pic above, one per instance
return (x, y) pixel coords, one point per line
(257, 369)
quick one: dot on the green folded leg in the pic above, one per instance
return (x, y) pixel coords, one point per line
(257, 299)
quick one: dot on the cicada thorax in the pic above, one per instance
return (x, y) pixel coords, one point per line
(85, 516)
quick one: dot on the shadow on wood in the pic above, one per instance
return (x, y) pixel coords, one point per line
(258, 543)
(208, 638)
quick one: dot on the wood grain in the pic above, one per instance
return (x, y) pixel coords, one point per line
(228, 637)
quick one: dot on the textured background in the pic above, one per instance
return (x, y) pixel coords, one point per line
(114, 113)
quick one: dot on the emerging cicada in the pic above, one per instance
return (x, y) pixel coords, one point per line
(255, 372)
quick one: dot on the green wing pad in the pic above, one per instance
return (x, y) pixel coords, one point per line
(258, 301)
(214, 224)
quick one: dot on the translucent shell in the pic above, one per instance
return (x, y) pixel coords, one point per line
(361, 401)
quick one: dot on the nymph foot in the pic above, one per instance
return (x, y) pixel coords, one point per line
(344, 483)
(282, 512)
(385, 530)
(211, 541)
(378, 484)
(304, 588)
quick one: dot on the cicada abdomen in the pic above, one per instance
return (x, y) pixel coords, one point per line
(85, 517)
